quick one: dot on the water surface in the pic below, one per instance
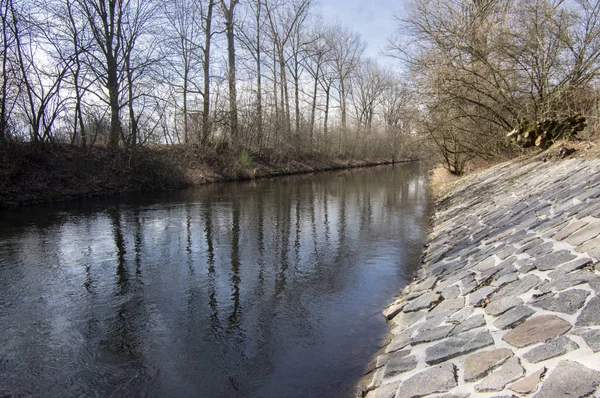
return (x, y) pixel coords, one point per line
(269, 288)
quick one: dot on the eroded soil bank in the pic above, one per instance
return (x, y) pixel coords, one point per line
(506, 302)
(32, 175)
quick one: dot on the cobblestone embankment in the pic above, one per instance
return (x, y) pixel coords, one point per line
(506, 303)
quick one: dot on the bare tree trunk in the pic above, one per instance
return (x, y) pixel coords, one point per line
(313, 110)
(327, 97)
(276, 103)
(285, 97)
(112, 84)
(206, 124)
(259, 118)
(297, 91)
(5, 49)
(185, 101)
(343, 104)
(228, 13)
(78, 117)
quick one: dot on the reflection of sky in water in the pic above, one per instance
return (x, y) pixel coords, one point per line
(266, 288)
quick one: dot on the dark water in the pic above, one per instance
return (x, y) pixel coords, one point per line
(270, 288)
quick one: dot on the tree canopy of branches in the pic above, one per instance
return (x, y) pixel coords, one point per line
(480, 66)
(262, 75)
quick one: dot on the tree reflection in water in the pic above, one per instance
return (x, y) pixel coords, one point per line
(266, 288)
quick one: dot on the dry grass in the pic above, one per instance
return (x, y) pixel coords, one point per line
(440, 180)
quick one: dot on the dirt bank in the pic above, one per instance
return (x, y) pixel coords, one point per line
(33, 174)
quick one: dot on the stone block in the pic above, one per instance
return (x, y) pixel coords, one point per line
(460, 344)
(570, 379)
(536, 330)
(553, 348)
(500, 378)
(481, 364)
(568, 302)
(437, 379)
(513, 317)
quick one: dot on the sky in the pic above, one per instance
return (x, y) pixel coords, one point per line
(373, 19)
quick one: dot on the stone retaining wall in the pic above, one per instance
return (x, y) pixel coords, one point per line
(507, 301)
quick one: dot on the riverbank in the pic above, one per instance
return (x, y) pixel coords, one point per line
(33, 175)
(506, 301)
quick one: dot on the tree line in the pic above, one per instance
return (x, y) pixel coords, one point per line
(480, 67)
(258, 75)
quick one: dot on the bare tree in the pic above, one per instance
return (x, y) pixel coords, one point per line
(42, 103)
(370, 85)
(8, 75)
(317, 55)
(283, 21)
(182, 51)
(229, 16)
(105, 19)
(347, 49)
(208, 33)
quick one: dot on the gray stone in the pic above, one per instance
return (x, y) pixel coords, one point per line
(591, 337)
(436, 379)
(413, 295)
(568, 302)
(405, 320)
(551, 224)
(504, 279)
(481, 294)
(527, 238)
(385, 391)
(590, 316)
(468, 283)
(504, 268)
(393, 310)
(570, 267)
(395, 366)
(500, 305)
(528, 384)
(473, 322)
(451, 305)
(426, 284)
(525, 265)
(568, 280)
(400, 340)
(584, 234)
(595, 284)
(461, 315)
(569, 229)
(531, 244)
(454, 346)
(431, 335)
(424, 301)
(383, 359)
(433, 320)
(553, 260)
(536, 330)
(592, 248)
(553, 348)
(481, 364)
(451, 292)
(570, 379)
(516, 288)
(536, 250)
(513, 317)
(484, 265)
(506, 252)
(507, 373)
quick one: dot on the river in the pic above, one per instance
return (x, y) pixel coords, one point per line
(269, 288)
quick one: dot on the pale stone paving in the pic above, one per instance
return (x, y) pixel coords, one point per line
(506, 303)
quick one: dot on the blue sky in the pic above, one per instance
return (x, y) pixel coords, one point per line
(373, 19)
